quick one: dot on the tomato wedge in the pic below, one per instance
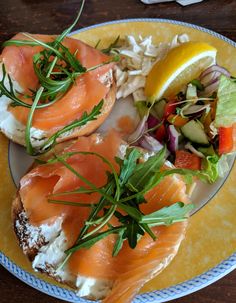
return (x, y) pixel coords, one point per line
(170, 107)
(184, 159)
(226, 140)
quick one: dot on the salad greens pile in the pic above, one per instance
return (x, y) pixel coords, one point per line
(197, 124)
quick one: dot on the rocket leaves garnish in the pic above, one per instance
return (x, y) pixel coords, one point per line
(57, 70)
(168, 214)
(144, 172)
(121, 198)
(128, 165)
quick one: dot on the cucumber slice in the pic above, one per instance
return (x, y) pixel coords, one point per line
(194, 131)
(207, 151)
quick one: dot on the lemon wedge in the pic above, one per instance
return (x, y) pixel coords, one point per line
(181, 65)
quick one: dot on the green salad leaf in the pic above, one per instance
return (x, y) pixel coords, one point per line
(226, 104)
(210, 165)
(142, 108)
(223, 166)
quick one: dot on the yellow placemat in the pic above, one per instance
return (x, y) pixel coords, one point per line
(211, 236)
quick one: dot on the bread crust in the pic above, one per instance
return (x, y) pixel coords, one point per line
(20, 221)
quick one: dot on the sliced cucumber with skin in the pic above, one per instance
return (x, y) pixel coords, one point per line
(194, 131)
(207, 151)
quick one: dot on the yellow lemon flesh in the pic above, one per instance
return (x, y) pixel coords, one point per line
(181, 65)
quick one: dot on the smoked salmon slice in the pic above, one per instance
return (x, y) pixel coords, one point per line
(87, 91)
(131, 268)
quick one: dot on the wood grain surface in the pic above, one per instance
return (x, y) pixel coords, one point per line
(51, 17)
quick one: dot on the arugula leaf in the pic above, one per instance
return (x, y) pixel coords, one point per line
(86, 181)
(19, 43)
(187, 173)
(119, 243)
(139, 198)
(101, 222)
(114, 44)
(81, 190)
(11, 93)
(167, 215)
(114, 173)
(77, 123)
(132, 231)
(128, 165)
(144, 172)
(131, 211)
(29, 147)
(149, 231)
(70, 203)
(69, 29)
(90, 241)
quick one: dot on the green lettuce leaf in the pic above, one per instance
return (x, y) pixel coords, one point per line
(226, 104)
(223, 166)
(142, 108)
(210, 164)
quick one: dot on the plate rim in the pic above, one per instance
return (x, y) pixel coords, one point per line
(165, 294)
(157, 20)
(157, 296)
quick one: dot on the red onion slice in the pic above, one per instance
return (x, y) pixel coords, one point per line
(215, 68)
(193, 109)
(139, 131)
(173, 138)
(150, 143)
(152, 121)
(210, 77)
(193, 150)
(210, 89)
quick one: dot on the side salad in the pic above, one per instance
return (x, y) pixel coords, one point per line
(198, 123)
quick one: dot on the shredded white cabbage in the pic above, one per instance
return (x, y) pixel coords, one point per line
(138, 56)
(213, 130)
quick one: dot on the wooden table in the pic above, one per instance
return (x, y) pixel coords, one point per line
(52, 16)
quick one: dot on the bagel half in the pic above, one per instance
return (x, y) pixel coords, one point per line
(44, 244)
(11, 124)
